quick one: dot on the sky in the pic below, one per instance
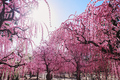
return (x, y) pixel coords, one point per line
(61, 9)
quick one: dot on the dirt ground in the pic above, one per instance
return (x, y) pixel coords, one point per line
(43, 77)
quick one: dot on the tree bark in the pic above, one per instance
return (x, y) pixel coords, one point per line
(98, 76)
(30, 74)
(116, 65)
(78, 75)
(49, 76)
(37, 75)
(78, 71)
(106, 75)
(92, 78)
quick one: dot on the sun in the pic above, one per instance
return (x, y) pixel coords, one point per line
(41, 17)
(41, 13)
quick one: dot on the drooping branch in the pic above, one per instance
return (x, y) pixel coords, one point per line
(9, 32)
(10, 14)
(108, 51)
(6, 57)
(16, 66)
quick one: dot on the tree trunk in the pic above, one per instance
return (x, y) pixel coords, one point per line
(17, 77)
(30, 74)
(106, 75)
(98, 76)
(92, 78)
(49, 76)
(8, 77)
(37, 75)
(116, 65)
(78, 75)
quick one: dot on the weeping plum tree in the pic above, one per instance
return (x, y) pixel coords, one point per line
(16, 30)
(100, 66)
(97, 28)
(48, 60)
(34, 67)
(79, 58)
(78, 55)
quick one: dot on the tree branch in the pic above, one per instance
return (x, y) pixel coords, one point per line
(16, 66)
